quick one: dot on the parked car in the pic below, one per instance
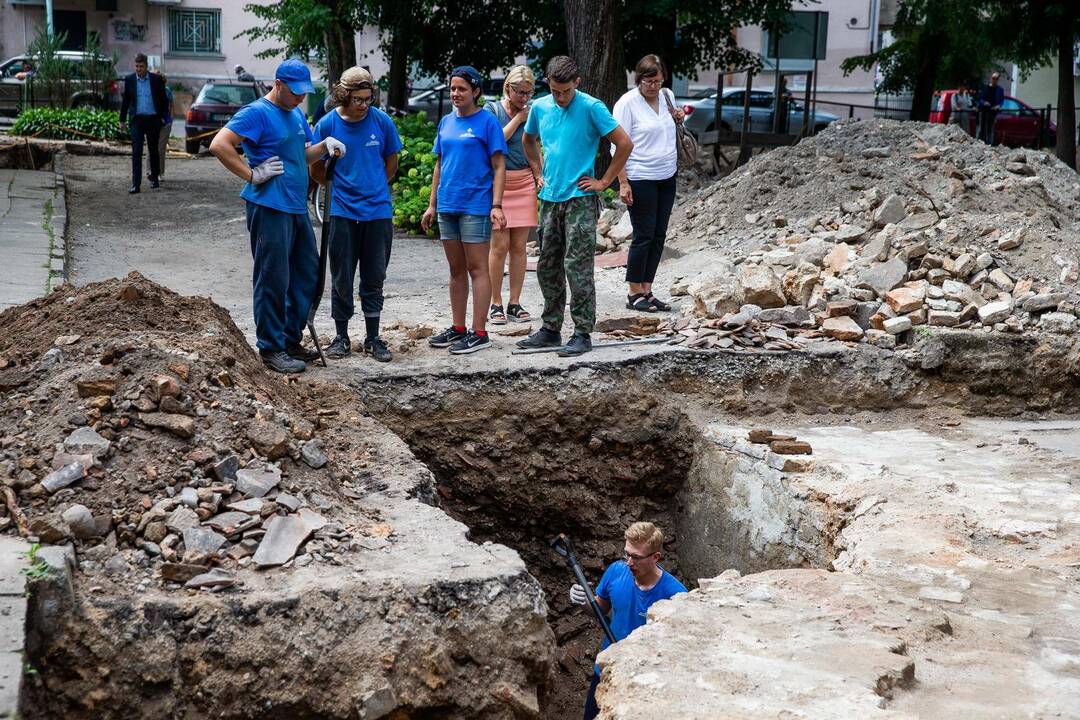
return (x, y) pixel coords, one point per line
(18, 86)
(216, 103)
(700, 113)
(1016, 125)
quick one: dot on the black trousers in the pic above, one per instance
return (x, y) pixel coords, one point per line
(986, 125)
(649, 215)
(362, 246)
(144, 129)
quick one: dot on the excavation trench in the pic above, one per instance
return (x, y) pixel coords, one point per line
(520, 467)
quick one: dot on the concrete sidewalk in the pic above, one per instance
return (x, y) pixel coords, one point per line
(33, 215)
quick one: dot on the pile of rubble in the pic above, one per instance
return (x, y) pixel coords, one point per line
(139, 425)
(873, 228)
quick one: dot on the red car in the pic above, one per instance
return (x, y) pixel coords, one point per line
(1016, 124)
(217, 102)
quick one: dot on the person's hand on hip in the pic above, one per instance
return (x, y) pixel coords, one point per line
(271, 167)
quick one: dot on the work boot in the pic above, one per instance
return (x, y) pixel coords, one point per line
(299, 352)
(338, 348)
(376, 348)
(540, 339)
(580, 343)
(279, 361)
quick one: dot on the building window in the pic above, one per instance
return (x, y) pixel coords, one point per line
(195, 32)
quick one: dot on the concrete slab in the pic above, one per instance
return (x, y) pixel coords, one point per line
(28, 203)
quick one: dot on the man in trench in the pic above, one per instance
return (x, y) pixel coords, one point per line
(627, 589)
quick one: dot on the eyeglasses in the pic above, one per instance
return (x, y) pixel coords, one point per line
(636, 558)
(356, 99)
(652, 83)
(522, 93)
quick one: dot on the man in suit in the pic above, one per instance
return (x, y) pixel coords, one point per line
(993, 95)
(145, 100)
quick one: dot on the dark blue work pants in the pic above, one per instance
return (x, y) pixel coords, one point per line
(286, 271)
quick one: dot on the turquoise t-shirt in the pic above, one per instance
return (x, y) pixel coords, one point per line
(465, 146)
(267, 130)
(570, 139)
(361, 192)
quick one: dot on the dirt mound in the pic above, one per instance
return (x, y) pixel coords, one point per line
(139, 424)
(878, 221)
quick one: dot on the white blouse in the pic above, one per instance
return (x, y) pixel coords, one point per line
(654, 156)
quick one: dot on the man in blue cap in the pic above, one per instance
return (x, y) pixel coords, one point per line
(276, 139)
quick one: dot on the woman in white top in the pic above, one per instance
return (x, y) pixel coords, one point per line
(647, 183)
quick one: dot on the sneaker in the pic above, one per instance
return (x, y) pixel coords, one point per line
(281, 362)
(470, 344)
(540, 339)
(376, 348)
(579, 344)
(446, 338)
(299, 352)
(338, 348)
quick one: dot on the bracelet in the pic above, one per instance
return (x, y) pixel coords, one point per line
(496, 206)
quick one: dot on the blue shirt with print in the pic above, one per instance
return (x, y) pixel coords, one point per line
(465, 146)
(570, 138)
(144, 98)
(268, 130)
(629, 603)
(360, 189)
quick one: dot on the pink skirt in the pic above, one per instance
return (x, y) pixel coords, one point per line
(519, 199)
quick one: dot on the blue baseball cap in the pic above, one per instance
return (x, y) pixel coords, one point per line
(467, 73)
(296, 75)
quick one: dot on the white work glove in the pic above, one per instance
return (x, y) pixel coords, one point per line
(334, 146)
(577, 595)
(271, 167)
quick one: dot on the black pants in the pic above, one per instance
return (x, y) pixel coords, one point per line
(649, 215)
(364, 246)
(591, 709)
(986, 125)
(144, 129)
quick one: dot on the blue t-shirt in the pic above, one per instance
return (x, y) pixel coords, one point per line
(570, 139)
(465, 146)
(268, 130)
(360, 188)
(629, 603)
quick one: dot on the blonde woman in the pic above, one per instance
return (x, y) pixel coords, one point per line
(519, 197)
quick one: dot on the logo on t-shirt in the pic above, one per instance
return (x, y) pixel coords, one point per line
(373, 141)
(468, 133)
(300, 128)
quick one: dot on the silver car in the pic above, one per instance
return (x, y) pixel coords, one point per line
(701, 113)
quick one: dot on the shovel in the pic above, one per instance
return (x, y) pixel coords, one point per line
(324, 240)
(562, 547)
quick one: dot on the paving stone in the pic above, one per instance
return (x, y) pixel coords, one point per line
(203, 540)
(181, 519)
(758, 285)
(905, 299)
(180, 572)
(215, 578)
(269, 439)
(883, 277)
(842, 328)
(790, 447)
(284, 536)
(189, 496)
(251, 506)
(287, 501)
(225, 470)
(1043, 301)
(230, 522)
(943, 318)
(256, 482)
(65, 476)
(179, 425)
(312, 455)
(85, 440)
(892, 210)
(995, 312)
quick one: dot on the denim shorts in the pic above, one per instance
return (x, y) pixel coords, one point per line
(466, 228)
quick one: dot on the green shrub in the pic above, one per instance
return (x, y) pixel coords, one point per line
(412, 185)
(60, 124)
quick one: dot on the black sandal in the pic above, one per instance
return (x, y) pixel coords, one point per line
(639, 302)
(517, 314)
(496, 315)
(658, 303)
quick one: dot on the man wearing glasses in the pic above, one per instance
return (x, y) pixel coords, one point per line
(627, 590)
(361, 214)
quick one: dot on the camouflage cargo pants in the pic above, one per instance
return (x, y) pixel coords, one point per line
(567, 241)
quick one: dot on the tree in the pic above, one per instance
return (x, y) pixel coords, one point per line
(1036, 33)
(325, 28)
(594, 40)
(938, 44)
